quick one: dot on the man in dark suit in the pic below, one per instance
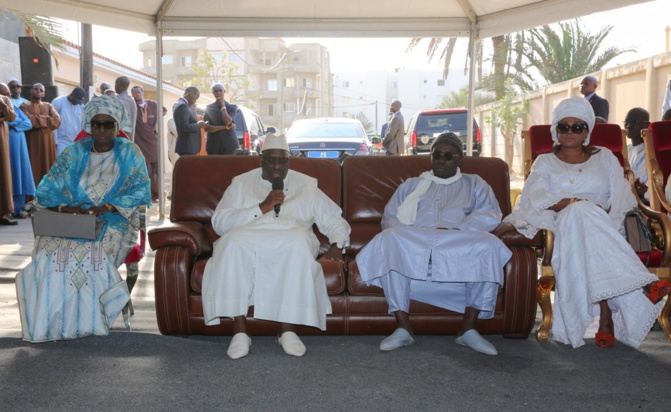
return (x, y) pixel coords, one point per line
(393, 139)
(221, 136)
(187, 124)
(588, 87)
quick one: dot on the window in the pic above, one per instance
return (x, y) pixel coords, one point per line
(186, 61)
(271, 110)
(345, 84)
(394, 85)
(441, 82)
(345, 100)
(307, 83)
(149, 61)
(167, 59)
(272, 85)
(289, 107)
(218, 57)
(425, 81)
(289, 82)
(234, 58)
(346, 115)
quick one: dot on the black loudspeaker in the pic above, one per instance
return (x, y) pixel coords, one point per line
(35, 62)
(50, 93)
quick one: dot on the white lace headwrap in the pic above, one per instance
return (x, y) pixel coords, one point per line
(407, 212)
(577, 107)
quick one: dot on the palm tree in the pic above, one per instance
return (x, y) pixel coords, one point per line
(46, 31)
(571, 52)
(367, 125)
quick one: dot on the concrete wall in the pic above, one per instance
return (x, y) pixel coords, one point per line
(637, 84)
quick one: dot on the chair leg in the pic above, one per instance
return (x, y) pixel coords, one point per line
(545, 284)
(663, 318)
(132, 271)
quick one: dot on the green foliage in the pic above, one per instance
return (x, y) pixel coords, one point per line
(367, 125)
(47, 32)
(570, 52)
(209, 71)
(459, 98)
(506, 117)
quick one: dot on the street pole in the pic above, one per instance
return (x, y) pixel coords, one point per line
(86, 61)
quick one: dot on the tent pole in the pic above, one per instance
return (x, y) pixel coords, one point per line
(161, 134)
(473, 37)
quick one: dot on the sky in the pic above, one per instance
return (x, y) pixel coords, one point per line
(640, 27)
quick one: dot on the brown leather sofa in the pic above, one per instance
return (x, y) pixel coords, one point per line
(362, 186)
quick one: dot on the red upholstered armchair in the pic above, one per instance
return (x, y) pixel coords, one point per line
(538, 140)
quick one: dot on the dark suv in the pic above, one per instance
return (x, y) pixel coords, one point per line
(426, 125)
(250, 131)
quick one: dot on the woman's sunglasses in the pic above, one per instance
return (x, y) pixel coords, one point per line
(103, 125)
(575, 128)
(447, 156)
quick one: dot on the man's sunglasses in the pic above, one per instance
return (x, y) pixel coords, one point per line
(103, 125)
(436, 155)
(15, 86)
(275, 160)
(575, 128)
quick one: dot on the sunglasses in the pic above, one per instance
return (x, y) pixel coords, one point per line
(276, 160)
(575, 128)
(436, 155)
(15, 86)
(103, 125)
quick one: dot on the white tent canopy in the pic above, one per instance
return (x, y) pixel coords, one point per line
(318, 18)
(476, 19)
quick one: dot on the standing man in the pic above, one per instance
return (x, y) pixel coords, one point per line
(15, 92)
(187, 124)
(221, 136)
(70, 109)
(41, 140)
(6, 200)
(394, 137)
(267, 250)
(635, 122)
(436, 248)
(588, 87)
(121, 87)
(104, 86)
(23, 184)
(146, 135)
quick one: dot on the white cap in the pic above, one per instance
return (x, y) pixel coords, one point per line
(275, 142)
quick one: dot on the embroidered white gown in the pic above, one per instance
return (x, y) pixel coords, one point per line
(592, 260)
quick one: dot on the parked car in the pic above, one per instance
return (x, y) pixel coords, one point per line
(329, 137)
(250, 131)
(426, 125)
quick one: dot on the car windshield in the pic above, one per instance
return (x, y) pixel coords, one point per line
(441, 122)
(325, 130)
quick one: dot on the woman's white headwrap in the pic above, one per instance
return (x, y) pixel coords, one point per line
(577, 107)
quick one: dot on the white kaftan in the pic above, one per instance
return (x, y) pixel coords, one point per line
(267, 261)
(592, 260)
(72, 289)
(440, 262)
(636, 156)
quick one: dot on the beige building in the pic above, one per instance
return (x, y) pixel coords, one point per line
(284, 82)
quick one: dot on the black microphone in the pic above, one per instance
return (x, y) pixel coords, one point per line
(278, 184)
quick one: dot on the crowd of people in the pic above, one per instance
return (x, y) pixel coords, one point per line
(436, 245)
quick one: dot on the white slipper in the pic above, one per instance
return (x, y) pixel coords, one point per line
(473, 340)
(398, 339)
(292, 344)
(239, 347)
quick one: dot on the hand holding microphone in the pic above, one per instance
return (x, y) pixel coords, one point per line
(275, 198)
(278, 184)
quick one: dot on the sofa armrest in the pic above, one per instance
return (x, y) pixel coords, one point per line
(190, 235)
(511, 237)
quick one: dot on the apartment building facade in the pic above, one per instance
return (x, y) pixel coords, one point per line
(283, 83)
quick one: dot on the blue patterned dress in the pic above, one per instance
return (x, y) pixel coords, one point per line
(72, 288)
